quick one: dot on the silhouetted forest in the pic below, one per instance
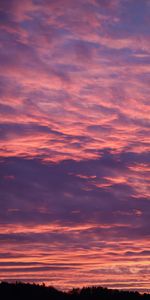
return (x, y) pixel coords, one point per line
(21, 291)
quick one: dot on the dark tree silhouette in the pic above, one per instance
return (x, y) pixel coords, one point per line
(26, 291)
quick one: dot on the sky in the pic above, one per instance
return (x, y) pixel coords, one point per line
(75, 143)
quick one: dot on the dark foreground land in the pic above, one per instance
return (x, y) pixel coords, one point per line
(22, 291)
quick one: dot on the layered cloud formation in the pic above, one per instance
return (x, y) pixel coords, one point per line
(74, 142)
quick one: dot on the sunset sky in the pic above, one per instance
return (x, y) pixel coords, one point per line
(75, 142)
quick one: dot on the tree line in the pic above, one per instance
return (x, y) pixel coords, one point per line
(26, 291)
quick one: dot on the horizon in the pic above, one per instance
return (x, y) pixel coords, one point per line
(42, 284)
(75, 143)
